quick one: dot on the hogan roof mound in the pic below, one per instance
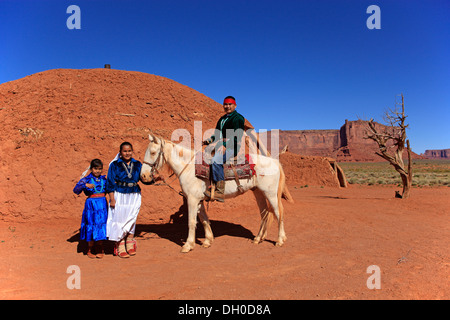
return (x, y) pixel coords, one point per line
(56, 121)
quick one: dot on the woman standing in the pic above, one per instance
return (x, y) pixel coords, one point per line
(125, 200)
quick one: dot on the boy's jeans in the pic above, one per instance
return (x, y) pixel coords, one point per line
(217, 164)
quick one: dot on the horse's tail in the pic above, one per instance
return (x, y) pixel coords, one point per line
(285, 191)
(280, 193)
(281, 188)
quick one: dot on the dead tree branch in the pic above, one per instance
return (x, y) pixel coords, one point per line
(394, 137)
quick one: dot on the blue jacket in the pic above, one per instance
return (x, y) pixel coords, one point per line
(117, 175)
(99, 185)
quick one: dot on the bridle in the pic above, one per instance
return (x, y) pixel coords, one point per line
(156, 164)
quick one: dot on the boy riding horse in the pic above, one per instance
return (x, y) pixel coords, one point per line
(233, 124)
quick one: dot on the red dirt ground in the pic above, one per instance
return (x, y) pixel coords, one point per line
(56, 121)
(334, 235)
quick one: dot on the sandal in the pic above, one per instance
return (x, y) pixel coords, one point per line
(100, 251)
(119, 250)
(89, 252)
(131, 247)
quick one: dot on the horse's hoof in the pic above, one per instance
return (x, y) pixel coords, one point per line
(256, 241)
(206, 244)
(279, 243)
(185, 249)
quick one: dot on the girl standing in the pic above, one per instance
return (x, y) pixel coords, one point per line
(95, 213)
(125, 200)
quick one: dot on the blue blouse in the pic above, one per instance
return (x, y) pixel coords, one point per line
(99, 185)
(118, 179)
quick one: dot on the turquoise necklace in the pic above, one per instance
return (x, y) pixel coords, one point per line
(96, 187)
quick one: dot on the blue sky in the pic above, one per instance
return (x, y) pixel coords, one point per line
(290, 64)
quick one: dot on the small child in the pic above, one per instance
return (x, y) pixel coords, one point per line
(95, 213)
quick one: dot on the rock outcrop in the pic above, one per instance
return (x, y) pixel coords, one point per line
(437, 154)
(346, 144)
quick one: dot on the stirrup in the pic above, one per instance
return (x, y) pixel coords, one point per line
(211, 195)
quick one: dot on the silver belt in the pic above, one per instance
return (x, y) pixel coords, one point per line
(127, 184)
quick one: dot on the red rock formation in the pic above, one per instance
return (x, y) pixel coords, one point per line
(437, 154)
(311, 142)
(345, 144)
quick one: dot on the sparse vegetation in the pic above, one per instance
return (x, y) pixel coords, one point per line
(426, 173)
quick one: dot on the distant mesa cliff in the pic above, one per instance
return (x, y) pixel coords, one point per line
(344, 144)
(437, 154)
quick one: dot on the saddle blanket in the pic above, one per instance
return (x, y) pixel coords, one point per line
(244, 170)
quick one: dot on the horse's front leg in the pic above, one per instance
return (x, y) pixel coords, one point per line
(193, 206)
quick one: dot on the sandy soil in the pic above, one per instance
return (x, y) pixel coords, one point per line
(334, 235)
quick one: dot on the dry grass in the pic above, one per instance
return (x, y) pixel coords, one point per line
(425, 173)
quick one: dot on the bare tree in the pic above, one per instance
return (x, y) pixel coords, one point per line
(391, 143)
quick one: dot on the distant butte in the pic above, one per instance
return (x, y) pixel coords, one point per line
(346, 144)
(437, 154)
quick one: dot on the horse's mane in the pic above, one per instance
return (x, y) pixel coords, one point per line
(183, 152)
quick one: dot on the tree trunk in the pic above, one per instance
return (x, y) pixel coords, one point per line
(407, 185)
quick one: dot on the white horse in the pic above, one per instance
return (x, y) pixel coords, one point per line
(268, 183)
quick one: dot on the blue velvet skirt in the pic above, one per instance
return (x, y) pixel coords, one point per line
(93, 221)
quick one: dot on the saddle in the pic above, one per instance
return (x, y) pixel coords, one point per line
(241, 168)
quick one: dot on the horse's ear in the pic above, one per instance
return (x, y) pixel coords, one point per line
(151, 137)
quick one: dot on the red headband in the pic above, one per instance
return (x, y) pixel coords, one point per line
(229, 100)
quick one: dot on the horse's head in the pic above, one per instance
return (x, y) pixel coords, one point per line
(153, 159)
